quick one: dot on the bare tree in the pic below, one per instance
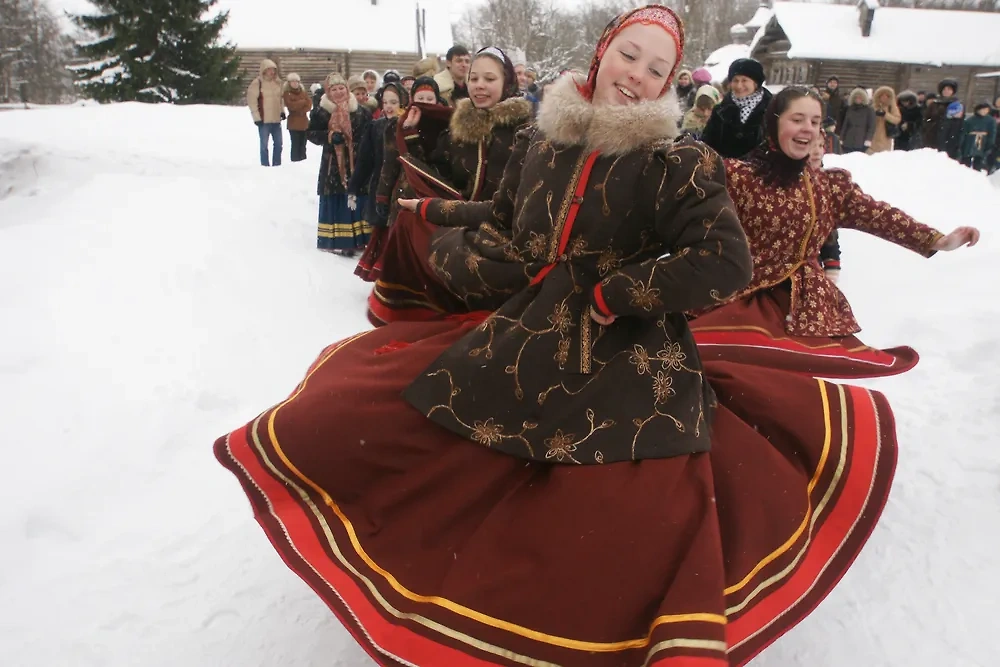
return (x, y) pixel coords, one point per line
(33, 53)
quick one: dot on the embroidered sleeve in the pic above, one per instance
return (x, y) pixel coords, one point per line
(499, 211)
(707, 258)
(390, 166)
(436, 162)
(860, 211)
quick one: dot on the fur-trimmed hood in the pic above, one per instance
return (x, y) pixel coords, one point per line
(885, 90)
(859, 96)
(469, 125)
(330, 106)
(566, 117)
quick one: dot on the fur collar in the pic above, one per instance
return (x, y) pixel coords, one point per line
(330, 106)
(566, 117)
(470, 125)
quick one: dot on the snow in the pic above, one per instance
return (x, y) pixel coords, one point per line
(161, 289)
(338, 25)
(759, 19)
(899, 35)
(718, 61)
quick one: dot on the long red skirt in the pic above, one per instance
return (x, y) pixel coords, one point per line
(435, 551)
(752, 331)
(406, 289)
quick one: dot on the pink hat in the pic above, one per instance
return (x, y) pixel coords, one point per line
(701, 76)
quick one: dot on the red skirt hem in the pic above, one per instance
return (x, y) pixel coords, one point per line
(319, 538)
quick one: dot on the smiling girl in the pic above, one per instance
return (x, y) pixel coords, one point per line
(570, 490)
(792, 315)
(465, 162)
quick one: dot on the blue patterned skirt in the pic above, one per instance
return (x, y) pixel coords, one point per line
(340, 228)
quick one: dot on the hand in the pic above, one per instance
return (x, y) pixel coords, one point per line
(868, 144)
(412, 118)
(833, 275)
(956, 239)
(409, 204)
(336, 138)
(352, 202)
(601, 319)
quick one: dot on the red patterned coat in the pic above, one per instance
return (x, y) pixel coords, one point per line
(787, 226)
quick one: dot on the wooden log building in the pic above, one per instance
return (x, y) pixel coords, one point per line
(868, 46)
(346, 36)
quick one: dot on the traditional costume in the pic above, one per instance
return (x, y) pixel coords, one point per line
(338, 126)
(791, 315)
(463, 161)
(522, 486)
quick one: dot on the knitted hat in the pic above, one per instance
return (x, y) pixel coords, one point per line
(294, 77)
(701, 76)
(425, 67)
(356, 82)
(747, 67)
(427, 83)
(390, 76)
(336, 79)
(657, 15)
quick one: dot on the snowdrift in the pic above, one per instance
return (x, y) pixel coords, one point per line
(160, 288)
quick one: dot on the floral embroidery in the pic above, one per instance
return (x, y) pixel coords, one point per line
(645, 297)
(663, 387)
(640, 359)
(560, 447)
(486, 432)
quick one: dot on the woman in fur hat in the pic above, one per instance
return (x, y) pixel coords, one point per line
(569, 489)
(392, 100)
(858, 128)
(792, 315)
(465, 161)
(298, 103)
(338, 126)
(736, 126)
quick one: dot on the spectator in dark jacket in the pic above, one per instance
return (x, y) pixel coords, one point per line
(858, 127)
(943, 120)
(912, 124)
(737, 123)
(834, 101)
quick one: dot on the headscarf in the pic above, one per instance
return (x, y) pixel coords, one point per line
(404, 98)
(658, 15)
(510, 85)
(773, 165)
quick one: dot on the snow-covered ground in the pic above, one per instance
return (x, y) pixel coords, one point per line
(158, 288)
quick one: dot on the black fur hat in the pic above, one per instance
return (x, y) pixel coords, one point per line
(748, 67)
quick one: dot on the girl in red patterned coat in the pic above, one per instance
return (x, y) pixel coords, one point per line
(792, 315)
(555, 478)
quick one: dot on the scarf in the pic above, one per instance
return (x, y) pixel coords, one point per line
(340, 121)
(748, 104)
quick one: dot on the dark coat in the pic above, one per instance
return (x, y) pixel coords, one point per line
(940, 132)
(730, 137)
(330, 181)
(598, 210)
(911, 127)
(469, 157)
(858, 128)
(368, 166)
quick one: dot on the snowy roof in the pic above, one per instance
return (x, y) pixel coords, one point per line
(343, 25)
(898, 35)
(718, 61)
(760, 18)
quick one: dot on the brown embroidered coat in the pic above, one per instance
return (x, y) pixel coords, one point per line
(469, 156)
(787, 226)
(598, 208)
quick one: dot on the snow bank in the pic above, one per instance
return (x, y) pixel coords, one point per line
(161, 289)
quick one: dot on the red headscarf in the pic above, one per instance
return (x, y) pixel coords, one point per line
(649, 15)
